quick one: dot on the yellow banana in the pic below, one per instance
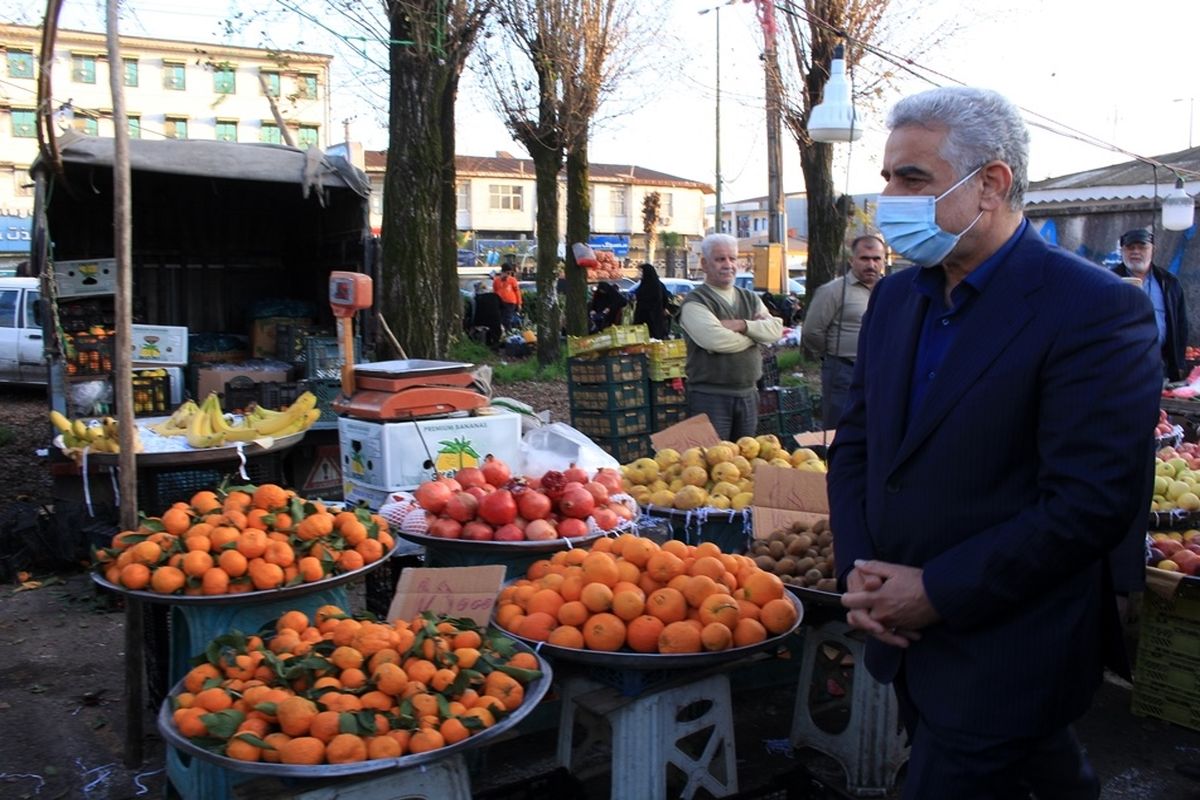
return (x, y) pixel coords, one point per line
(216, 417)
(79, 428)
(304, 423)
(61, 423)
(200, 434)
(110, 427)
(296, 411)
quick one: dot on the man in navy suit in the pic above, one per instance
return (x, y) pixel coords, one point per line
(992, 453)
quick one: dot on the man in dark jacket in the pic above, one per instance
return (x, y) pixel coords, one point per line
(1164, 291)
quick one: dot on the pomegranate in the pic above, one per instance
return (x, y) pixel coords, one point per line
(540, 529)
(597, 490)
(520, 522)
(621, 510)
(576, 502)
(533, 504)
(552, 484)
(462, 507)
(445, 528)
(498, 508)
(577, 474)
(495, 471)
(470, 476)
(509, 533)
(478, 492)
(611, 479)
(569, 528)
(432, 495)
(606, 518)
(478, 531)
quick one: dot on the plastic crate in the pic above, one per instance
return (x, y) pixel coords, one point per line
(770, 370)
(607, 369)
(672, 392)
(669, 350)
(666, 416)
(767, 423)
(151, 393)
(290, 340)
(794, 398)
(668, 370)
(796, 422)
(607, 339)
(627, 448)
(89, 354)
(158, 489)
(610, 424)
(768, 401)
(607, 397)
(241, 393)
(78, 315)
(323, 357)
(327, 390)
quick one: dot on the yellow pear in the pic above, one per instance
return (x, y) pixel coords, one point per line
(804, 454)
(640, 494)
(692, 457)
(724, 489)
(719, 501)
(768, 446)
(725, 471)
(741, 500)
(667, 457)
(780, 462)
(648, 468)
(694, 476)
(719, 454)
(743, 465)
(748, 446)
(813, 466)
(664, 498)
(675, 485)
(657, 485)
(690, 497)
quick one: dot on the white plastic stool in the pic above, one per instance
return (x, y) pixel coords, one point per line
(871, 749)
(646, 733)
(444, 779)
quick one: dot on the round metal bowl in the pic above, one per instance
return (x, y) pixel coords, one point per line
(534, 692)
(627, 659)
(515, 548)
(816, 595)
(246, 598)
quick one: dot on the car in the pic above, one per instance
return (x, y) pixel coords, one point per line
(677, 286)
(21, 357)
(745, 280)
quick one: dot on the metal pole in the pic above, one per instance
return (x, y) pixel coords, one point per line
(718, 124)
(776, 219)
(123, 382)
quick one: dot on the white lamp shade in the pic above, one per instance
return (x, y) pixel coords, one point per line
(834, 120)
(1178, 209)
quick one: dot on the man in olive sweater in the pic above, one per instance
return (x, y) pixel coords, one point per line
(723, 327)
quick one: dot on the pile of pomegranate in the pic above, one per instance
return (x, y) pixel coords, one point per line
(487, 503)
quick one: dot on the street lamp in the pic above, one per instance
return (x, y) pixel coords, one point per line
(833, 119)
(1178, 208)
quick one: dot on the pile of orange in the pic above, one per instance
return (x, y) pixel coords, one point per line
(246, 539)
(629, 593)
(351, 689)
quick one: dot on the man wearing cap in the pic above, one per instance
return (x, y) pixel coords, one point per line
(1165, 293)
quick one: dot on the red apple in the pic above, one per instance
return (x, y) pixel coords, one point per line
(509, 533)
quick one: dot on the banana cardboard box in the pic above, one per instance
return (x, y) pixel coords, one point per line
(394, 456)
(783, 496)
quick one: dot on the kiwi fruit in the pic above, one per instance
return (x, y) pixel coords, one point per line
(765, 563)
(777, 550)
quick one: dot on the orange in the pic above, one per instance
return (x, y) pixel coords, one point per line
(280, 553)
(567, 636)
(236, 500)
(546, 600)
(351, 559)
(242, 750)
(214, 699)
(761, 587)
(707, 565)
(196, 563)
(295, 620)
(597, 597)
(467, 657)
(537, 626)
(384, 747)
(275, 742)
(778, 616)
(628, 603)
(233, 562)
(627, 572)
(571, 587)
(176, 521)
(424, 740)
(604, 632)
(442, 679)
(748, 631)
(538, 569)
(264, 575)
(167, 580)
(371, 550)
(667, 604)
(505, 687)
(722, 608)
(420, 669)
(390, 678)
(353, 531)
(641, 633)
(135, 576)
(664, 565)
(697, 587)
(482, 714)
(252, 543)
(676, 548)
(326, 725)
(199, 675)
(716, 636)
(270, 497)
(204, 502)
(215, 581)
(679, 637)
(453, 730)
(600, 568)
(188, 721)
(146, 552)
(310, 569)
(302, 750)
(295, 714)
(467, 639)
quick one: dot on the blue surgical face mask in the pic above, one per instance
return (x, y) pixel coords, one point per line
(909, 224)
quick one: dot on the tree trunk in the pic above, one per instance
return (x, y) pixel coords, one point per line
(650, 243)
(419, 294)
(826, 217)
(546, 164)
(579, 229)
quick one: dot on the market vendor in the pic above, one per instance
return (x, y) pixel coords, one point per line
(723, 326)
(992, 453)
(1164, 291)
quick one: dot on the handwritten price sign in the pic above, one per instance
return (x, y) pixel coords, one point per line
(454, 591)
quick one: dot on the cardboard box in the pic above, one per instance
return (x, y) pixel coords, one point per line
(213, 377)
(394, 456)
(160, 344)
(89, 276)
(783, 495)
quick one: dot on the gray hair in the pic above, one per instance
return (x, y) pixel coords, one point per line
(982, 126)
(714, 239)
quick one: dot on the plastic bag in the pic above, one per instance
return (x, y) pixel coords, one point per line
(557, 446)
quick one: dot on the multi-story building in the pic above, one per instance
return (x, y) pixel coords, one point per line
(497, 204)
(172, 89)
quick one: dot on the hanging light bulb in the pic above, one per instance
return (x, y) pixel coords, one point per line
(834, 120)
(1178, 208)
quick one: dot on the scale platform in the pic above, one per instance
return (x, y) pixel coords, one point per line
(406, 389)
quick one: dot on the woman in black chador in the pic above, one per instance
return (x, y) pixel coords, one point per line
(652, 298)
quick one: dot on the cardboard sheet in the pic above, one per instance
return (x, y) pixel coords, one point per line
(453, 591)
(783, 496)
(697, 431)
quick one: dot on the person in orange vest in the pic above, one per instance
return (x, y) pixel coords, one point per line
(506, 288)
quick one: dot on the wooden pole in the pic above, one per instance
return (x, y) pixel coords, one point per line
(123, 382)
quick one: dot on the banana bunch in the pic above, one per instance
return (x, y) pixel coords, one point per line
(99, 435)
(205, 425)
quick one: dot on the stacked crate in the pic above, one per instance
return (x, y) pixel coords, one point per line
(610, 402)
(668, 403)
(786, 411)
(668, 360)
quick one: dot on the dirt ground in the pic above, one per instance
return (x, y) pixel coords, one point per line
(62, 688)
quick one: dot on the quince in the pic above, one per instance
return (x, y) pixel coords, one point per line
(748, 446)
(667, 457)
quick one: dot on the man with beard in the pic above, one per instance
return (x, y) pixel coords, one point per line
(1165, 293)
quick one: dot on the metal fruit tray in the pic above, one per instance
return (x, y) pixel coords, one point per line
(476, 546)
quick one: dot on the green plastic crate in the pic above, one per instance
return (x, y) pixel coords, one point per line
(607, 369)
(607, 396)
(666, 416)
(610, 424)
(627, 448)
(668, 393)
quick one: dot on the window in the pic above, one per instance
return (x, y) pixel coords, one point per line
(135, 127)
(129, 69)
(8, 308)
(224, 80)
(174, 76)
(616, 202)
(33, 316)
(22, 183)
(462, 197)
(666, 205)
(503, 197)
(88, 126)
(227, 130)
(175, 127)
(307, 137)
(269, 132)
(20, 63)
(83, 68)
(306, 86)
(271, 79)
(24, 123)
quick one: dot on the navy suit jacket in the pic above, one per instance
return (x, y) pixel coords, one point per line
(1023, 467)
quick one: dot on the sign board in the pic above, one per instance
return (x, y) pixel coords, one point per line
(617, 245)
(783, 495)
(325, 473)
(14, 233)
(454, 591)
(695, 431)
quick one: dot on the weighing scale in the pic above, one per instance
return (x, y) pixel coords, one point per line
(393, 391)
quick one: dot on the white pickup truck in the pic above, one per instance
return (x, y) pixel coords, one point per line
(21, 359)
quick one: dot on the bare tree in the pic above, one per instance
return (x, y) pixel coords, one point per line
(814, 28)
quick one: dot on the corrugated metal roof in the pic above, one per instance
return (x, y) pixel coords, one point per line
(1128, 180)
(511, 167)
